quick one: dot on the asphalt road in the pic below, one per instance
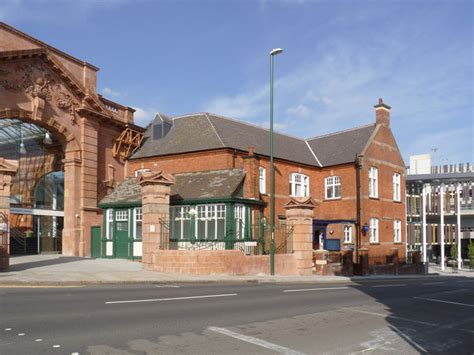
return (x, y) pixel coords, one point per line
(396, 316)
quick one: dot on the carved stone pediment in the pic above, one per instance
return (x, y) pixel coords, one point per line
(35, 79)
(158, 178)
(8, 167)
(302, 202)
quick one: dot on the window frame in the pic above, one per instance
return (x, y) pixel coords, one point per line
(137, 211)
(109, 224)
(210, 212)
(397, 231)
(262, 180)
(373, 182)
(374, 230)
(396, 183)
(303, 183)
(142, 170)
(332, 182)
(347, 232)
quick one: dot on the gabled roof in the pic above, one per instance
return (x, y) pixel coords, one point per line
(188, 186)
(205, 131)
(341, 147)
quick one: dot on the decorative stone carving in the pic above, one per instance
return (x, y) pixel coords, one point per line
(36, 81)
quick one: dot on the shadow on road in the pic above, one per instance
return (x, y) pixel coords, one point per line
(438, 317)
(28, 264)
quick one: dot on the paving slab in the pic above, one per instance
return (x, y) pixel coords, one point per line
(63, 270)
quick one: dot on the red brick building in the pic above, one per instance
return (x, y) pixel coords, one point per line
(356, 176)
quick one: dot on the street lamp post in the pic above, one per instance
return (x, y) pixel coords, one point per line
(273, 53)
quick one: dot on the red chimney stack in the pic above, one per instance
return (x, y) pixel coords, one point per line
(382, 113)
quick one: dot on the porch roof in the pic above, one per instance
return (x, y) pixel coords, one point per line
(203, 185)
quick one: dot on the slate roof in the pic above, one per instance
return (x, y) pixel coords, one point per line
(205, 131)
(188, 186)
(341, 147)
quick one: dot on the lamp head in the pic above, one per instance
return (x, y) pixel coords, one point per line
(276, 51)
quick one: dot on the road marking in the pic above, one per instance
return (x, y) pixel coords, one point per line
(21, 334)
(316, 289)
(433, 283)
(255, 341)
(442, 301)
(392, 285)
(8, 329)
(450, 326)
(74, 353)
(167, 286)
(38, 339)
(56, 346)
(411, 341)
(172, 298)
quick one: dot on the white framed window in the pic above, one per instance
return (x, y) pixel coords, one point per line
(139, 172)
(333, 187)
(180, 222)
(373, 182)
(396, 187)
(109, 224)
(262, 180)
(397, 231)
(347, 234)
(374, 230)
(239, 215)
(121, 215)
(299, 185)
(137, 226)
(210, 221)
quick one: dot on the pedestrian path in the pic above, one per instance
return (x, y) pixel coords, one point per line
(61, 270)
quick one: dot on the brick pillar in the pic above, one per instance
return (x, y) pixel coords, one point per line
(156, 187)
(364, 261)
(299, 214)
(395, 260)
(7, 171)
(252, 176)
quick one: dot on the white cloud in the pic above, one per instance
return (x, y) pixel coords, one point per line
(143, 116)
(108, 92)
(247, 105)
(299, 111)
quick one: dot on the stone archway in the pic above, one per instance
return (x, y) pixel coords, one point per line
(73, 238)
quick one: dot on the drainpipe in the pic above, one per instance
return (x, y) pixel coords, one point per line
(358, 164)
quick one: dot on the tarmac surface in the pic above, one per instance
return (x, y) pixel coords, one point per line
(410, 316)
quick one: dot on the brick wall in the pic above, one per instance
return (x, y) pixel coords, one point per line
(221, 262)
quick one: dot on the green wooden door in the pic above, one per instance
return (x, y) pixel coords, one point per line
(95, 242)
(122, 218)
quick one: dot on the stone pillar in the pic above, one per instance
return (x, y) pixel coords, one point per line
(156, 187)
(72, 217)
(299, 214)
(7, 171)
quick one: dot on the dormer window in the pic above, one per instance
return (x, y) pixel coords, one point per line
(161, 126)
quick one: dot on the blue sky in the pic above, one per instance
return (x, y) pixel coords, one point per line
(339, 57)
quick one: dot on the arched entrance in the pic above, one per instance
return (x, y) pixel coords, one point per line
(37, 190)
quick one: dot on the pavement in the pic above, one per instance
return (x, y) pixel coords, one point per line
(61, 270)
(411, 316)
